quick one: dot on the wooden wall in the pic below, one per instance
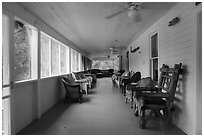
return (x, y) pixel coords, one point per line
(176, 44)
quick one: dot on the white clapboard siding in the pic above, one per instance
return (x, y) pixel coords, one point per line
(176, 44)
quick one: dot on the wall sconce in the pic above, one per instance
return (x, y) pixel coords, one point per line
(174, 21)
(134, 50)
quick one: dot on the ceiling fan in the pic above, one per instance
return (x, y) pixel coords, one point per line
(114, 50)
(133, 9)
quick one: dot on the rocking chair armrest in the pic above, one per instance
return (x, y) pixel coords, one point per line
(81, 81)
(73, 85)
(154, 95)
(141, 89)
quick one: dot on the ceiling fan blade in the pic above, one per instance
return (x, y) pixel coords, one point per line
(115, 14)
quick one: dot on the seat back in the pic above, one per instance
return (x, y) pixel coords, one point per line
(136, 77)
(72, 89)
(125, 73)
(75, 76)
(81, 75)
(71, 78)
(65, 82)
(168, 79)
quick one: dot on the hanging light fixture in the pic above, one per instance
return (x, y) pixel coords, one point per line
(134, 13)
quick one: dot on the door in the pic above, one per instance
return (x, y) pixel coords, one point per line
(7, 84)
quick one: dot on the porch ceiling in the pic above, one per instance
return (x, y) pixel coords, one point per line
(84, 23)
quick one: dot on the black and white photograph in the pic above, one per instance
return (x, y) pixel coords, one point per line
(101, 67)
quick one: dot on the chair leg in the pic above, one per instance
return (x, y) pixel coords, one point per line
(122, 89)
(142, 120)
(80, 101)
(131, 103)
(158, 114)
(168, 116)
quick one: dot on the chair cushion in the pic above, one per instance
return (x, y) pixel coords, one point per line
(146, 82)
(151, 101)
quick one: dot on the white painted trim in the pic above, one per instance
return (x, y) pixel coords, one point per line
(11, 68)
(198, 68)
(39, 95)
(25, 82)
(59, 64)
(9, 82)
(50, 57)
(70, 60)
(153, 32)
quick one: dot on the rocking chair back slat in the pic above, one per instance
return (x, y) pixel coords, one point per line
(168, 78)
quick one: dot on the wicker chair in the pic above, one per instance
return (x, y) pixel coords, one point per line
(134, 79)
(73, 91)
(84, 83)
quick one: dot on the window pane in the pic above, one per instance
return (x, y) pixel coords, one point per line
(45, 55)
(63, 58)
(116, 63)
(54, 57)
(71, 55)
(80, 63)
(77, 61)
(22, 40)
(154, 46)
(67, 60)
(5, 48)
(73, 60)
(106, 64)
(155, 69)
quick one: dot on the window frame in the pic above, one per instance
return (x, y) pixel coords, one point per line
(33, 56)
(50, 56)
(152, 59)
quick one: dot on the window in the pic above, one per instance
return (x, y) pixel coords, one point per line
(77, 61)
(55, 67)
(154, 56)
(25, 44)
(80, 62)
(45, 55)
(63, 59)
(106, 64)
(73, 60)
(67, 59)
(54, 57)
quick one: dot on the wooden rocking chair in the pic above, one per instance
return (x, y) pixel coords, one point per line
(158, 98)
